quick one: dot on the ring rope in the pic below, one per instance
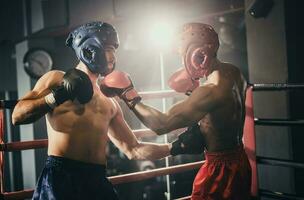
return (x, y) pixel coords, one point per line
(24, 145)
(42, 143)
(279, 195)
(159, 94)
(279, 162)
(275, 86)
(125, 178)
(184, 198)
(17, 195)
(139, 176)
(1, 153)
(279, 122)
(153, 173)
(9, 104)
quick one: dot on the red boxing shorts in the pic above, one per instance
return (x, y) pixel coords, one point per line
(225, 175)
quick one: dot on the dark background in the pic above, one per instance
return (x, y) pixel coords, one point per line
(46, 24)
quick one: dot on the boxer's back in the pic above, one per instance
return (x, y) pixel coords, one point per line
(223, 125)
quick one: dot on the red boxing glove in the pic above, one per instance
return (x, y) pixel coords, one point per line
(118, 83)
(181, 81)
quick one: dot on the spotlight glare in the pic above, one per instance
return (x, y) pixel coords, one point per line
(161, 34)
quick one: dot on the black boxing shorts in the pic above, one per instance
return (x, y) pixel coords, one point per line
(63, 179)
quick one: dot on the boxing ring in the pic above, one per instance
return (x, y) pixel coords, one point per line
(248, 139)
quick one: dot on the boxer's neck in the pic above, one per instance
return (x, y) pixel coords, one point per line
(81, 66)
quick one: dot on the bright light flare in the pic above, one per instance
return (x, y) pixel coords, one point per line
(161, 35)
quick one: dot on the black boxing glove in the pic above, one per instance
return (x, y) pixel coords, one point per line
(75, 85)
(191, 141)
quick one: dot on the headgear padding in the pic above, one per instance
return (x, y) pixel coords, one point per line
(199, 44)
(88, 42)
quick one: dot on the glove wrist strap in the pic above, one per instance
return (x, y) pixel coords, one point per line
(50, 100)
(132, 103)
(131, 97)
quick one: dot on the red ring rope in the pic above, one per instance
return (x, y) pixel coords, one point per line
(125, 178)
(42, 143)
(24, 145)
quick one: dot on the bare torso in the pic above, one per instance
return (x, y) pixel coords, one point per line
(223, 126)
(78, 131)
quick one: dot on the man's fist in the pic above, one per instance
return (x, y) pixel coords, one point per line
(180, 81)
(119, 83)
(191, 141)
(75, 85)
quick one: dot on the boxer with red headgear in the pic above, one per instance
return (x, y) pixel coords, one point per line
(214, 113)
(198, 47)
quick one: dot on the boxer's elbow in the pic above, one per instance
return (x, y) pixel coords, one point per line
(21, 115)
(15, 120)
(17, 117)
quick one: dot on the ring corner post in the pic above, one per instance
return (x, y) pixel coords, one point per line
(1, 153)
(249, 140)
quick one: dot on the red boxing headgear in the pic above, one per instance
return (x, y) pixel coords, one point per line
(199, 45)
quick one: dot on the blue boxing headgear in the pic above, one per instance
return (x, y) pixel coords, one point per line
(88, 42)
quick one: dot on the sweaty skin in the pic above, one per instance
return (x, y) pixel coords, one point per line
(81, 132)
(218, 104)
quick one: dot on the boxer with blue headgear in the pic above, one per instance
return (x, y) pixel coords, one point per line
(88, 42)
(81, 120)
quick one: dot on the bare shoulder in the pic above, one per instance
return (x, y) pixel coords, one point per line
(49, 80)
(231, 76)
(223, 76)
(229, 73)
(44, 85)
(235, 71)
(230, 69)
(223, 79)
(53, 77)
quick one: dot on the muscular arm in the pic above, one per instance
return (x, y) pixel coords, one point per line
(32, 106)
(187, 112)
(122, 136)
